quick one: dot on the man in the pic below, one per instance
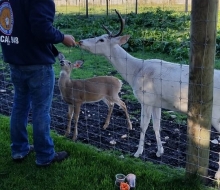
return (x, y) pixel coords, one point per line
(27, 38)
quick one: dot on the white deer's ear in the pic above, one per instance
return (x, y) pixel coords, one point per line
(78, 64)
(124, 39)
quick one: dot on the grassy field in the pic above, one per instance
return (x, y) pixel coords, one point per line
(86, 168)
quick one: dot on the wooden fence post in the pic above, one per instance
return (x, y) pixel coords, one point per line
(107, 7)
(87, 8)
(136, 6)
(201, 69)
(186, 5)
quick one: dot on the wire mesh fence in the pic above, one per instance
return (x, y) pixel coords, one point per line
(159, 35)
(131, 6)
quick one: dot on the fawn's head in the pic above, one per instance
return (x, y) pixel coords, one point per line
(66, 65)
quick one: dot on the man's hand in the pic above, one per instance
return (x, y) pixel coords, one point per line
(69, 40)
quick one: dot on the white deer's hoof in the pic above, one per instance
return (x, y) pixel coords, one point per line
(105, 126)
(217, 175)
(136, 155)
(159, 154)
(130, 126)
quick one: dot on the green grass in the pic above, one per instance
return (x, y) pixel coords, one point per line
(86, 168)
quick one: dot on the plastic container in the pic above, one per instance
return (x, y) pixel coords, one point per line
(131, 179)
(119, 178)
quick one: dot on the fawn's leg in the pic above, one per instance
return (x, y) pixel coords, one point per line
(110, 109)
(69, 118)
(124, 107)
(76, 118)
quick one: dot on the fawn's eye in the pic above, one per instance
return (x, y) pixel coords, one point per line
(62, 63)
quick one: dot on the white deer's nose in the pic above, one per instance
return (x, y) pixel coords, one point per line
(80, 42)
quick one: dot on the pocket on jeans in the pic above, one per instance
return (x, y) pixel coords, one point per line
(48, 76)
(41, 77)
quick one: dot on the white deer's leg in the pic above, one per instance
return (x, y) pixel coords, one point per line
(146, 112)
(216, 125)
(217, 174)
(156, 117)
(69, 118)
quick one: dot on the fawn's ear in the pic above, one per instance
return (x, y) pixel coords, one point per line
(78, 64)
(61, 56)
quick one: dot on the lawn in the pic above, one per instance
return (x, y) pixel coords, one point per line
(89, 167)
(86, 168)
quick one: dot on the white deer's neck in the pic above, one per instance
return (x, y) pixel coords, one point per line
(127, 65)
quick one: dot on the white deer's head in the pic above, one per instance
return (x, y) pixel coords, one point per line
(103, 44)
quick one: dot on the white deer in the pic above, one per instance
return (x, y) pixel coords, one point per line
(75, 92)
(156, 83)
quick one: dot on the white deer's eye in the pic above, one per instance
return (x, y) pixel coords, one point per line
(100, 40)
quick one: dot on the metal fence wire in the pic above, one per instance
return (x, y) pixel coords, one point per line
(117, 136)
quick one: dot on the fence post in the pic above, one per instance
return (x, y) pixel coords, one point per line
(87, 9)
(201, 69)
(136, 6)
(186, 6)
(107, 7)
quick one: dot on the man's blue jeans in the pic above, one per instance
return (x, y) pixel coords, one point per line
(33, 86)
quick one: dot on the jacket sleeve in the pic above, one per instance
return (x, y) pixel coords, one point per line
(41, 17)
